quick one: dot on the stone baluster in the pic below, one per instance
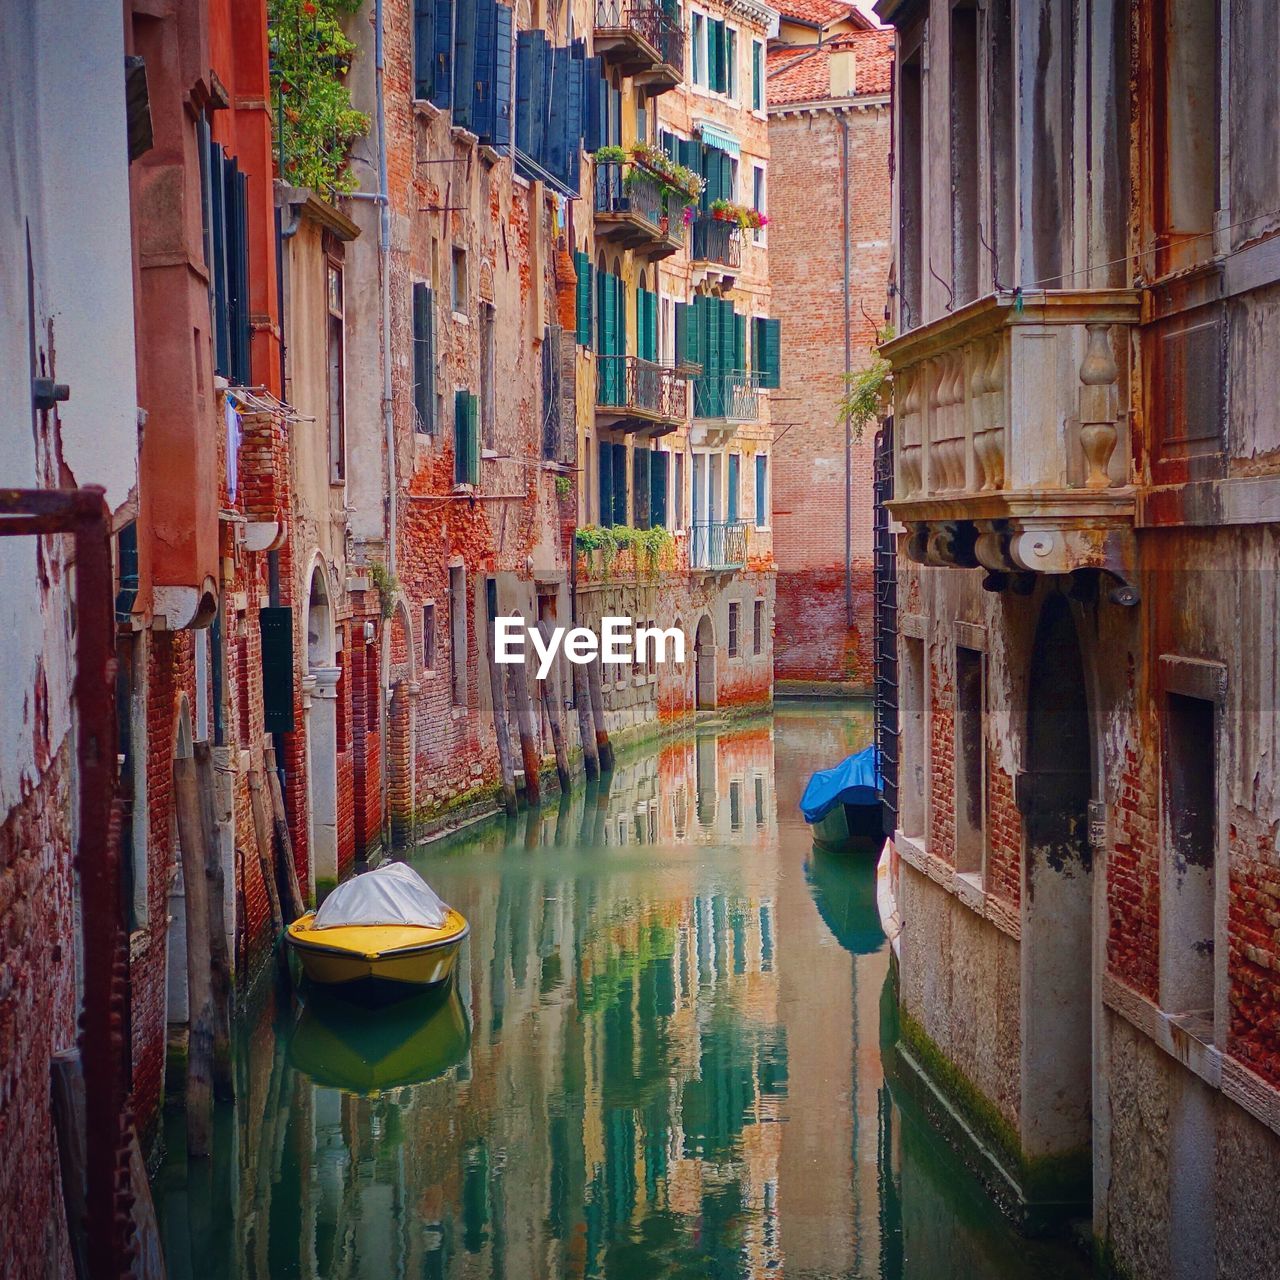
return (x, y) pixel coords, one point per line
(911, 455)
(937, 479)
(979, 408)
(1098, 374)
(989, 443)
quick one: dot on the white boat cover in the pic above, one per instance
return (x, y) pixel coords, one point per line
(393, 894)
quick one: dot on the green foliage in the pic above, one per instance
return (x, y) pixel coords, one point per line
(864, 390)
(611, 155)
(387, 586)
(649, 547)
(564, 486)
(314, 121)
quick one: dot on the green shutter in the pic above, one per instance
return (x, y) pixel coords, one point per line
(757, 75)
(276, 627)
(608, 368)
(582, 300)
(726, 336)
(466, 438)
(423, 358)
(714, 401)
(739, 343)
(473, 438)
(658, 489)
(771, 364)
(735, 484)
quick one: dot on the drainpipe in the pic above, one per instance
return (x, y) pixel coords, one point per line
(848, 369)
(384, 260)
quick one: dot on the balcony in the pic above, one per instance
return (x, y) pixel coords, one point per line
(717, 546)
(716, 243)
(631, 212)
(1012, 442)
(642, 40)
(723, 401)
(639, 395)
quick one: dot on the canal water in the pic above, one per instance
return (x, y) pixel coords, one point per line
(663, 1056)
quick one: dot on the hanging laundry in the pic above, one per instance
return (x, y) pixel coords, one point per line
(235, 434)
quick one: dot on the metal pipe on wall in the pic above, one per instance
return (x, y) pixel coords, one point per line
(848, 369)
(384, 263)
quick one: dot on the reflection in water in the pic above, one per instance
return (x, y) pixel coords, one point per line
(661, 1058)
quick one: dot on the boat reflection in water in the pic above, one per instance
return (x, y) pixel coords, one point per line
(372, 1050)
(663, 1057)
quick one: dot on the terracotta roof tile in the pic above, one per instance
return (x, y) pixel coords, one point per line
(803, 74)
(821, 13)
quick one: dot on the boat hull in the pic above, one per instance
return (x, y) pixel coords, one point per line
(403, 957)
(851, 828)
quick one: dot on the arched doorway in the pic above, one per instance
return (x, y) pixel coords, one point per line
(322, 728)
(1054, 794)
(704, 652)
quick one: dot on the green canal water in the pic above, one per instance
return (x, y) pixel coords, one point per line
(662, 1057)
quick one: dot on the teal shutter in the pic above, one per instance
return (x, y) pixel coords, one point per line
(503, 75)
(424, 12)
(757, 75)
(739, 342)
(735, 484)
(465, 33)
(658, 489)
(466, 438)
(608, 371)
(441, 85)
(582, 299)
(762, 490)
(276, 627)
(619, 484)
(771, 364)
(727, 336)
(714, 366)
(604, 462)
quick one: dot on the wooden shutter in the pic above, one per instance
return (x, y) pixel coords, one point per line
(480, 121)
(619, 484)
(658, 489)
(582, 299)
(276, 627)
(771, 364)
(713, 394)
(757, 75)
(442, 55)
(594, 108)
(466, 45)
(604, 460)
(503, 78)
(424, 12)
(524, 90)
(640, 487)
(668, 143)
(423, 358)
(555, 157)
(735, 484)
(466, 438)
(739, 342)
(653, 326)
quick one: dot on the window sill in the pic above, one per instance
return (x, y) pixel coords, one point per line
(460, 317)
(425, 107)
(464, 137)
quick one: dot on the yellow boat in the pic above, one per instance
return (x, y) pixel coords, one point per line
(373, 927)
(403, 953)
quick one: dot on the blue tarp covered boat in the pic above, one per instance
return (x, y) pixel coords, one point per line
(843, 804)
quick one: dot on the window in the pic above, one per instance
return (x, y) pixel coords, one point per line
(757, 76)
(697, 48)
(429, 635)
(424, 360)
(459, 294)
(910, 176)
(613, 483)
(224, 190)
(458, 633)
(337, 391)
(659, 472)
(734, 610)
(1190, 838)
(466, 438)
(488, 412)
(735, 486)
(970, 774)
(758, 198)
(913, 780)
(677, 494)
(552, 393)
(757, 627)
(731, 63)
(666, 331)
(762, 491)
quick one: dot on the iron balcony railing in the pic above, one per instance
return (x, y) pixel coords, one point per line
(630, 188)
(735, 397)
(717, 544)
(718, 241)
(630, 385)
(652, 22)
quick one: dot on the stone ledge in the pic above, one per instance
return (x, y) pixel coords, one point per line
(963, 886)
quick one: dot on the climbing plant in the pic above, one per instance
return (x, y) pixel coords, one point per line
(864, 389)
(386, 584)
(314, 121)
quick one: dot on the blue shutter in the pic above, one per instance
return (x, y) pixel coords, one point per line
(481, 119)
(503, 52)
(640, 476)
(424, 12)
(555, 158)
(604, 460)
(465, 44)
(593, 106)
(762, 490)
(442, 54)
(735, 483)
(423, 358)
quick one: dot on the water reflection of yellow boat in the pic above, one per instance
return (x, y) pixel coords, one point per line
(366, 1051)
(386, 925)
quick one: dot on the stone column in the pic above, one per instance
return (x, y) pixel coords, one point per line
(322, 754)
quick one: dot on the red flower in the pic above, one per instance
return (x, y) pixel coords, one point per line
(308, 9)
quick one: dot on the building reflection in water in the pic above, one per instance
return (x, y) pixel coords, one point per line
(661, 1058)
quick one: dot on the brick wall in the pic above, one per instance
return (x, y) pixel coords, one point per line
(1133, 878)
(806, 191)
(37, 1019)
(942, 774)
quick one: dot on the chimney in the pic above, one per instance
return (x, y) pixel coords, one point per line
(840, 61)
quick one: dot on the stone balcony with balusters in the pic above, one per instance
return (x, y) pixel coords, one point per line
(1012, 446)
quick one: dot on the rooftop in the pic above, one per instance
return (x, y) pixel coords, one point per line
(822, 13)
(802, 73)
